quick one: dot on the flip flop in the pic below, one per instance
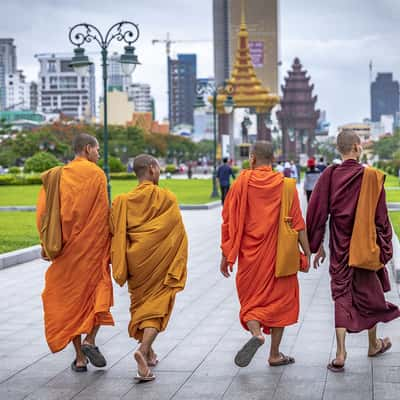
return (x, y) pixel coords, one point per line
(333, 367)
(285, 360)
(384, 348)
(75, 368)
(149, 376)
(247, 352)
(146, 378)
(94, 355)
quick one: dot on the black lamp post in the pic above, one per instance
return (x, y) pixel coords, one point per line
(123, 31)
(211, 89)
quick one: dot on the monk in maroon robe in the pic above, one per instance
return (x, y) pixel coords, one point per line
(358, 293)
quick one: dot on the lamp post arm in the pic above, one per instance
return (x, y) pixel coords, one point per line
(124, 31)
(85, 33)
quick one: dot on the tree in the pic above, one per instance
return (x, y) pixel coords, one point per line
(40, 162)
(5, 127)
(387, 146)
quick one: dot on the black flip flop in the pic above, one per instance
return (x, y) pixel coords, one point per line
(75, 368)
(333, 367)
(94, 355)
(247, 352)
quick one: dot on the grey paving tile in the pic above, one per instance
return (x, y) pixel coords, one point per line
(386, 391)
(293, 390)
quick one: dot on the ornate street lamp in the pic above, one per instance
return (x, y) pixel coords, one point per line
(229, 104)
(124, 31)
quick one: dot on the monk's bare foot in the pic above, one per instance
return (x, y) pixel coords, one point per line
(381, 346)
(142, 366)
(280, 359)
(152, 360)
(81, 362)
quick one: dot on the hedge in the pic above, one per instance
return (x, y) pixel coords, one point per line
(10, 179)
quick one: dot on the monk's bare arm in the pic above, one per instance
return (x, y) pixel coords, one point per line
(303, 240)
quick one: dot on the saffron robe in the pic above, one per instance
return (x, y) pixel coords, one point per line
(149, 252)
(250, 234)
(358, 293)
(78, 290)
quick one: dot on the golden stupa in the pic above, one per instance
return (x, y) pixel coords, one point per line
(243, 85)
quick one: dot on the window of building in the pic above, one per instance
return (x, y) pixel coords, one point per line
(51, 66)
(68, 82)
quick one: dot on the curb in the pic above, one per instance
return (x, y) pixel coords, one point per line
(19, 256)
(207, 206)
(393, 206)
(18, 208)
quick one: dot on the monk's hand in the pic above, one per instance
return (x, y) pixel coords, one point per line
(225, 267)
(319, 257)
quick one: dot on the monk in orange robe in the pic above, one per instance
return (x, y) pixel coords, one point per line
(149, 252)
(78, 290)
(250, 233)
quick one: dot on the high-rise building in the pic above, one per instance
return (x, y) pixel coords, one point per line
(182, 75)
(62, 90)
(117, 80)
(17, 92)
(8, 66)
(384, 96)
(34, 96)
(262, 24)
(140, 94)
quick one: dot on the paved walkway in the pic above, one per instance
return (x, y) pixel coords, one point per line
(197, 351)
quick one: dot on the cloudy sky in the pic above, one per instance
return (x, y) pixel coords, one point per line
(334, 39)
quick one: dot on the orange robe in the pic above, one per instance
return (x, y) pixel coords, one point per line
(249, 234)
(78, 290)
(149, 252)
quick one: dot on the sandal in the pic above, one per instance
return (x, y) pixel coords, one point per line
(384, 347)
(285, 360)
(247, 352)
(332, 366)
(75, 368)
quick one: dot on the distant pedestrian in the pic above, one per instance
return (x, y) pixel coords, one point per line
(311, 177)
(321, 165)
(190, 171)
(293, 171)
(287, 170)
(279, 167)
(224, 174)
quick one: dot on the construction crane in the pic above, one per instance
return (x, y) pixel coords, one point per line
(168, 41)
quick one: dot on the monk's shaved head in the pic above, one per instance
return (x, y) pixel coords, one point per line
(142, 164)
(346, 140)
(263, 152)
(81, 141)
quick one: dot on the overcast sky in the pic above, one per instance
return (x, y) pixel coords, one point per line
(334, 39)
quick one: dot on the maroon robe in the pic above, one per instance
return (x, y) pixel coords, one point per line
(358, 293)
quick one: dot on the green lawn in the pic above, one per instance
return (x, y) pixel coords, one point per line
(195, 191)
(17, 230)
(391, 181)
(393, 196)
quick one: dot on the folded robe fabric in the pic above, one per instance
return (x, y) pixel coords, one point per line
(149, 252)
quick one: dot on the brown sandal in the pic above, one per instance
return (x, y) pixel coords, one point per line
(384, 347)
(332, 366)
(285, 360)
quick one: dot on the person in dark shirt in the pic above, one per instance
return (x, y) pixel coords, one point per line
(321, 165)
(223, 175)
